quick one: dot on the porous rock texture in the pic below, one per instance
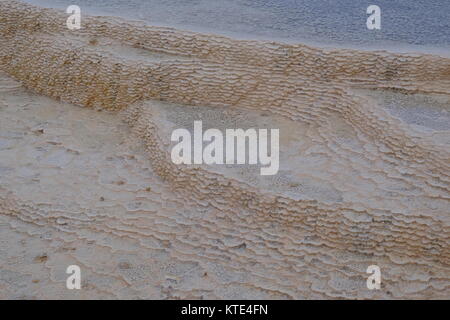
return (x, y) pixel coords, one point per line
(357, 185)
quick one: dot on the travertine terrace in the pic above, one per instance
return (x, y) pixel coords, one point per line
(360, 183)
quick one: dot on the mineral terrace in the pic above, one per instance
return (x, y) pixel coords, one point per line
(86, 176)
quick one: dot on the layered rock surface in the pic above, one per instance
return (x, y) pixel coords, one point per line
(360, 183)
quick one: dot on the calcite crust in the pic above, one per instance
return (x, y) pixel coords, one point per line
(227, 237)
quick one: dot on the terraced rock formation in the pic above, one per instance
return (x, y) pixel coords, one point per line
(364, 176)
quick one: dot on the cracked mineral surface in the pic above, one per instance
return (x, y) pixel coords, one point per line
(86, 176)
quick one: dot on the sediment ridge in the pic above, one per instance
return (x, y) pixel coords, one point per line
(392, 178)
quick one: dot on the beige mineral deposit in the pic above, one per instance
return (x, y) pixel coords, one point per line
(86, 176)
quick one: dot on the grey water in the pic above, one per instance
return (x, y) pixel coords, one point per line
(330, 22)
